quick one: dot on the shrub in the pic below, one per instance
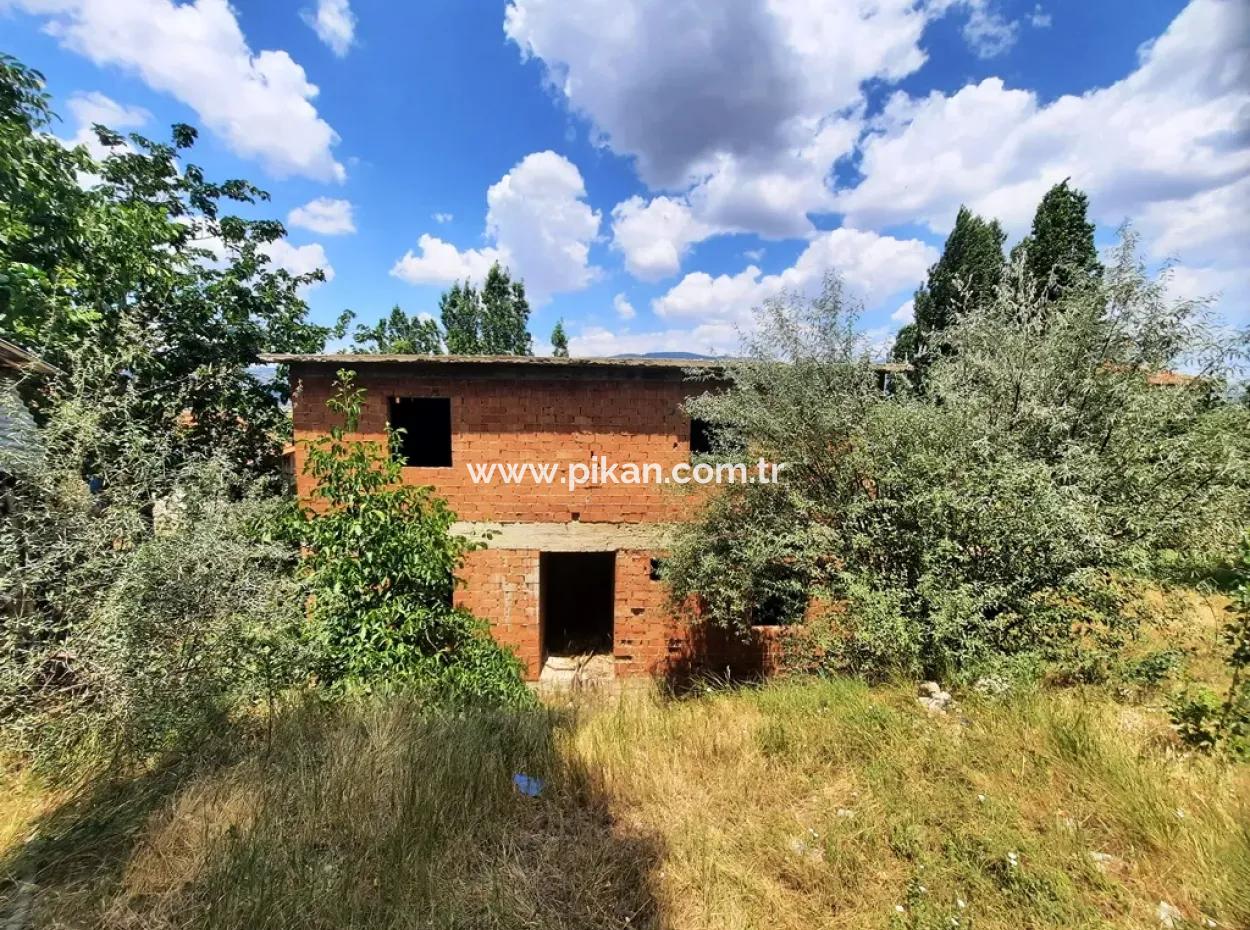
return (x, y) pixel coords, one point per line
(990, 515)
(137, 606)
(1202, 718)
(380, 564)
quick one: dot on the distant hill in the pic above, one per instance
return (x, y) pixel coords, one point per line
(662, 355)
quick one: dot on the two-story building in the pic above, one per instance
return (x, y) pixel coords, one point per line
(572, 564)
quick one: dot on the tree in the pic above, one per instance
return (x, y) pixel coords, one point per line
(387, 619)
(1061, 242)
(995, 514)
(461, 310)
(492, 321)
(505, 314)
(965, 276)
(559, 341)
(143, 267)
(400, 334)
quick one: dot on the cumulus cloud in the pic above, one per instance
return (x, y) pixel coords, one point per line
(538, 224)
(439, 262)
(299, 259)
(872, 266)
(740, 107)
(624, 309)
(90, 109)
(442, 217)
(1179, 124)
(260, 104)
(653, 236)
(335, 24)
(324, 215)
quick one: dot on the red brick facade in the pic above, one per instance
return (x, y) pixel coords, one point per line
(514, 411)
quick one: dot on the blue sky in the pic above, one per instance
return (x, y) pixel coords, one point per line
(655, 168)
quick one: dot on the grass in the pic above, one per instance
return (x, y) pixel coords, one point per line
(796, 804)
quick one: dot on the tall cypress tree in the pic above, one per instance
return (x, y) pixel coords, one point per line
(967, 273)
(1061, 241)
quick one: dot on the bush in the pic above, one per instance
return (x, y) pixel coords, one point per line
(380, 564)
(990, 515)
(137, 606)
(1202, 718)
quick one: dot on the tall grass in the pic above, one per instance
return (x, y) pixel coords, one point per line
(797, 804)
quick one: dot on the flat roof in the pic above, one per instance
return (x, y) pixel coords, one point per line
(527, 361)
(15, 357)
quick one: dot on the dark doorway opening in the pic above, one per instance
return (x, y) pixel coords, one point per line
(576, 596)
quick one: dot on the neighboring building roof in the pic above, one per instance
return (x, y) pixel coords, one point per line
(523, 361)
(15, 358)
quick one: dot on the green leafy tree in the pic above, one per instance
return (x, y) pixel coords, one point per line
(461, 310)
(140, 609)
(380, 565)
(969, 269)
(145, 267)
(1059, 248)
(559, 341)
(989, 516)
(400, 334)
(505, 314)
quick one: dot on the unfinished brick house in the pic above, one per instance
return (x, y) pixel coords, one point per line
(567, 571)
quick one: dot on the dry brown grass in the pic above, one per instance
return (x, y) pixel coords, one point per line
(795, 805)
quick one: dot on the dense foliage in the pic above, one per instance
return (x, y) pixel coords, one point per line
(490, 321)
(969, 269)
(986, 516)
(1205, 719)
(380, 564)
(138, 604)
(133, 258)
(400, 334)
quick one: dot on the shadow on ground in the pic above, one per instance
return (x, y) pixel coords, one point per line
(377, 815)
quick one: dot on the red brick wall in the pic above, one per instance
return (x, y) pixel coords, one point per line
(548, 420)
(528, 421)
(502, 586)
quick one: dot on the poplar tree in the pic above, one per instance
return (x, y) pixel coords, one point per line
(1059, 249)
(969, 269)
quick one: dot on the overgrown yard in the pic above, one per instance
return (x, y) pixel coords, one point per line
(797, 804)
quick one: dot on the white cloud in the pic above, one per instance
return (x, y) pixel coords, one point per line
(539, 224)
(872, 266)
(987, 32)
(442, 217)
(299, 259)
(441, 262)
(324, 215)
(88, 109)
(1169, 145)
(655, 235)
(624, 309)
(335, 24)
(1039, 18)
(1178, 123)
(738, 108)
(906, 313)
(259, 103)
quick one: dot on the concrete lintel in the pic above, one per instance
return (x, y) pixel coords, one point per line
(568, 537)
